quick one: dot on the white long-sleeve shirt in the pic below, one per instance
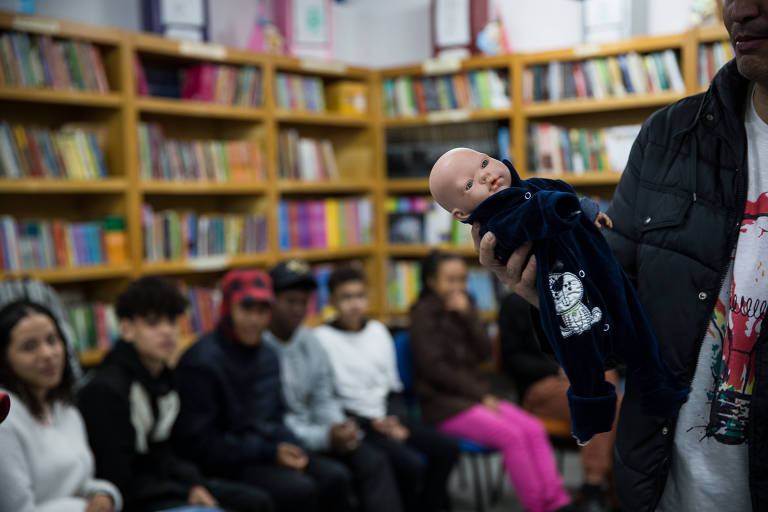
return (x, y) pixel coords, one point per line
(364, 367)
(47, 467)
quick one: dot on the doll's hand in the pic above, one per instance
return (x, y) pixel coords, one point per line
(603, 220)
(517, 275)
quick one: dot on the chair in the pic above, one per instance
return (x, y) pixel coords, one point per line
(474, 450)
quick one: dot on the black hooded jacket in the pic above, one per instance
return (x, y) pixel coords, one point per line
(129, 415)
(676, 216)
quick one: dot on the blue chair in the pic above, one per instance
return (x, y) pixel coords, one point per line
(474, 450)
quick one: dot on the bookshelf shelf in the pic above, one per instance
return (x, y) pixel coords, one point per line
(711, 34)
(449, 116)
(201, 109)
(52, 186)
(321, 118)
(194, 51)
(589, 178)
(324, 187)
(409, 185)
(61, 97)
(69, 275)
(576, 106)
(92, 357)
(211, 264)
(327, 254)
(420, 250)
(197, 188)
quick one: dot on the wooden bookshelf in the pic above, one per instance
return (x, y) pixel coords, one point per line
(359, 142)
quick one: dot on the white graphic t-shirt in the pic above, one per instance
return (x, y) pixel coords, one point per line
(709, 469)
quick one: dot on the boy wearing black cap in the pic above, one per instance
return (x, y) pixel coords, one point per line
(314, 414)
(131, 404)
(232, 407)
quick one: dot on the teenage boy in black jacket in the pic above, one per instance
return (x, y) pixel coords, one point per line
(130, 406)
(232, 407)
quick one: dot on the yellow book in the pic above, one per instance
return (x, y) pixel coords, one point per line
(332, 223)
(617, 82)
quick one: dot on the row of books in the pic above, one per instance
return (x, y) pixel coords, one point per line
(598, 78)
(219, 161)
(324, 223)
(29, 60)
(556, 150)
(214, 83)
(413, 150)
(203, 312)
(48, 244)
(419, 220)
(404, 285)
(171, 235)
(94, 324)
(712, 57)
(300, 92)
(473, 90)
(303, 158)
(35, 152)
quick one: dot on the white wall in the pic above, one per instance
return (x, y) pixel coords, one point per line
(379, 33)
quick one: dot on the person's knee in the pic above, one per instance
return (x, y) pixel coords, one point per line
(370, 462)
(337, 479)
(302, 495)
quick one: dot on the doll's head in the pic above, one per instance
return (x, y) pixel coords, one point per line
(462, 178)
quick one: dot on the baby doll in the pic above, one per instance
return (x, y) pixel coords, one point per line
(589, 310)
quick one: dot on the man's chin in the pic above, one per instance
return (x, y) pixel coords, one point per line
(753, 67)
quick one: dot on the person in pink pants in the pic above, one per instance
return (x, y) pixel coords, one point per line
(448, 341)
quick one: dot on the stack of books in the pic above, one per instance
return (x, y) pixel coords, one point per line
(299, 92)
(302, 158)
(712, 57)
(198, 160)
(471, 90)
(615, 76)
(171, 235)
(558, 150)
(29, 60)
(34, 152)
(324, 223)
(48, 244)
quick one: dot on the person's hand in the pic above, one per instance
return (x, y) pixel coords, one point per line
(100, 502)
(291, 456)
(199, 495)
(603, 220)
(345, 436)
(399, 432)
(492, 403)
(517, 275)
(391, 427)
(458, 302)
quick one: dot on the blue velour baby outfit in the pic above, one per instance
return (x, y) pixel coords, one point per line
(589, 310)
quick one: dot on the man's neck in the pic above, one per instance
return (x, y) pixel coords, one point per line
(760, 100)
(153, 366)
(346, 325)
(281, 333)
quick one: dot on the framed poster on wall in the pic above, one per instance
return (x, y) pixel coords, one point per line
(306, 26)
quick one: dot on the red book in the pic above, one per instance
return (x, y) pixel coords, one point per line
(293, 227)
(102, 333)
(37, 168)
(421, 99)
(60, 242)
(579, 80)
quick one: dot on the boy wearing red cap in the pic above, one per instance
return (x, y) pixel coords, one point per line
(232, 408)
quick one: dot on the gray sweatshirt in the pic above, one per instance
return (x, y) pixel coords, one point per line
(47, 466)
(307, 379)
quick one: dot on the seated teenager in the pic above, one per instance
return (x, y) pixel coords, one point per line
(315, 415)
(232, 407)
(449, 341)
(362, 355)
(45, 462)
(131, 404)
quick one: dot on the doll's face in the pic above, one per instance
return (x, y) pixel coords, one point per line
(462, 178)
